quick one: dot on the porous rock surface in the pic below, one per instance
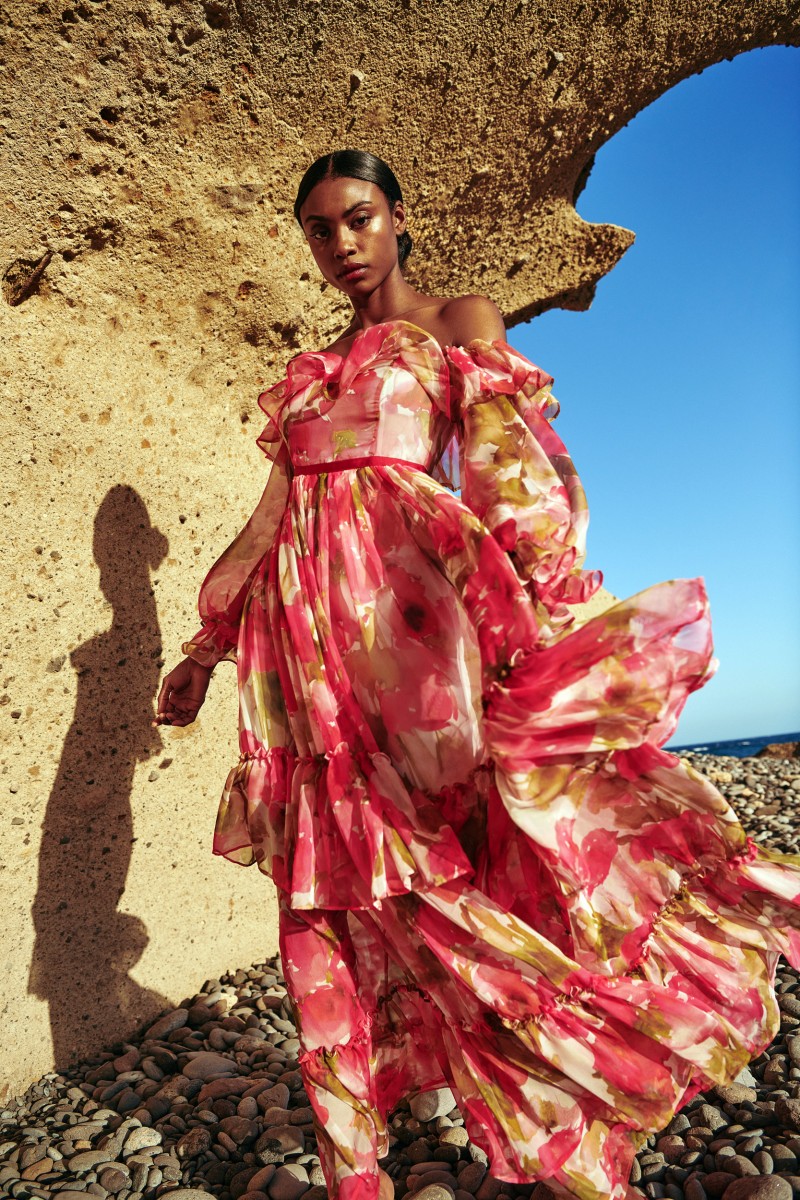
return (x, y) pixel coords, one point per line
(152, 283)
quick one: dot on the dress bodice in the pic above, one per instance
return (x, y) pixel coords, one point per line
(389, 395)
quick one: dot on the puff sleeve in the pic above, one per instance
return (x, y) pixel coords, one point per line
(517, 476)
(225, 587)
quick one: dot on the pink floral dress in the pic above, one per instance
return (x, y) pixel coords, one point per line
(490, 875)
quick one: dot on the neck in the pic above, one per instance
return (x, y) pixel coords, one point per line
(389, 299)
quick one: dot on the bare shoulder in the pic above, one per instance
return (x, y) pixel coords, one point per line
(472, 316)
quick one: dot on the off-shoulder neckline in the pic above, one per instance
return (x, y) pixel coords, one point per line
(384, 325)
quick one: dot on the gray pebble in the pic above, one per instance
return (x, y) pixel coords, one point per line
(426, 1106)
(87, 1160)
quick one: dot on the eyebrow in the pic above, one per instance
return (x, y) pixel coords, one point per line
(346, 213)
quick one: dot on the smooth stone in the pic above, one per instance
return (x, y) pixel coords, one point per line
(220, 1089)
(716, 1182)
(163, 1026)
(746, 1078)
(672, 1147)
(759, 1187)
(435, 1191)
(240, 1183)
(275, 1095)
(114, 1179)
(694, 1190)
(741, 1166)
(262, 1177)
(32, 1154)
(735, 1093)
(427, 1106)
(416, 1183)
(205, 1064)
(764, 1161)
(188, 1194)
(84, 1129)
(87, 1160)
(419, 1151)
(42, 1166)
(489, 1189)
(139, 1138)
(240, 1130)
(289, 1137)
(289, 1182)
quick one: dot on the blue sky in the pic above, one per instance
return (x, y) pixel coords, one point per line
(680, 387)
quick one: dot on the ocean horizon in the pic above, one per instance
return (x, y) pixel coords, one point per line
(738, 747)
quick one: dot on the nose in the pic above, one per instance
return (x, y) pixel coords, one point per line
(343, 242)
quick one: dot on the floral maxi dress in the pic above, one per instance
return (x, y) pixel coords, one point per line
(490, 876)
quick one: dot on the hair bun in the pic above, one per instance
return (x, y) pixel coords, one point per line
(404, 246)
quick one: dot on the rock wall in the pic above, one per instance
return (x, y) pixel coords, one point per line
(152, 283)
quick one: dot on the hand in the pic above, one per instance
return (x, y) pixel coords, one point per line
(182, 693)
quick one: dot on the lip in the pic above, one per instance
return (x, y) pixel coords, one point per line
(351, 272)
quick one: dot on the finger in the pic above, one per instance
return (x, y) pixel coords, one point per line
(163, 696)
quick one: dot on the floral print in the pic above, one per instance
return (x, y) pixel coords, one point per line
(490, 874)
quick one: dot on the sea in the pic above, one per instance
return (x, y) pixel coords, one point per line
(739, 748)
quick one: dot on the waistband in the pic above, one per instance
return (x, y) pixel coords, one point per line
(348, 464)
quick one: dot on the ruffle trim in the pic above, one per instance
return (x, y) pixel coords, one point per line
(214, 641)
(339, 831)
(616, 682)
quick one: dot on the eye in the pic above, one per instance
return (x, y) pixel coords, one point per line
(319, 233)
(361, 220)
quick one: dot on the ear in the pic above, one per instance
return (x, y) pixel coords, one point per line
(399, 217)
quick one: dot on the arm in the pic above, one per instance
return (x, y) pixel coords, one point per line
(515, 472)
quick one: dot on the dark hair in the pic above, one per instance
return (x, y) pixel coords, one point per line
(355, 164)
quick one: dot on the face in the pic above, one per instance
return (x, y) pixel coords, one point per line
(349, 222)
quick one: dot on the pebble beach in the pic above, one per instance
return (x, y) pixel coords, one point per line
(208, 1099)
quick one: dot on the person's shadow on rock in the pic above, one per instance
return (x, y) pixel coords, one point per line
(85, 947)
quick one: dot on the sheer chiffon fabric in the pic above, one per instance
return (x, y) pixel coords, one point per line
(490, 874)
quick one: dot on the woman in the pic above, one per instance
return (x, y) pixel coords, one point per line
(490, 875)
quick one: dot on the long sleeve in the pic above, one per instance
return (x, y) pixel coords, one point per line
(225, 587)
(517, 476)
